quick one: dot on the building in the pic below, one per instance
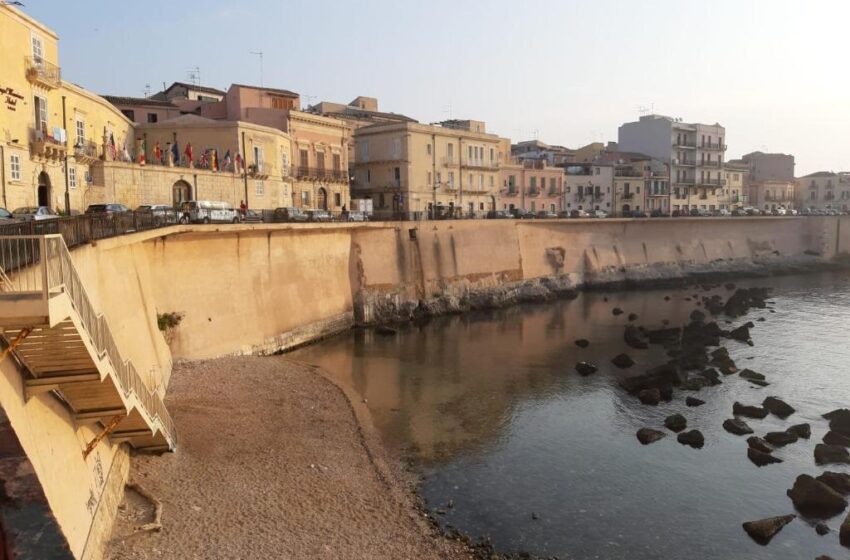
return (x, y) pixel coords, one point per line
(144, 109)
(769, 195)
(769, 167)
(414, 170)
(641, 183)
(695, 152)
(588, 186)
(537, 150)
(362, 111)
(824, 190)
(735, 193)
(532, 185)
(592, 152)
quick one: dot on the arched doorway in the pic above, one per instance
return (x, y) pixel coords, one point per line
(43, 189)
(322, 199)
(181, 192)
(626, 209)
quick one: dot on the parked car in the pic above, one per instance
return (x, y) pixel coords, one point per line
(579, 214)
(792, 212)
(499, 215)
(37, 213)
(750, 211)
(599, 214)
(6, 216)
(161, 213)
(522, 214)
(545, 214)
(698, 212)
(354, 216)
(723, 212)
(638, 214)
(252, 217)
(290, 214)
(319, 215)
(208, 211)
(779, 211)
(657, 213)
(108, 209)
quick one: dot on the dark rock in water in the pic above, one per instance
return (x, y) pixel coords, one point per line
(663, 336)
(694, 438)
(739, 409)
(825, 454)
(711, 376)
(666, 298)
(801, 430)
(761, 319)
(815, 499)
(675, 422)
(747, 373)
(840, 482)
(605, 298)
(727, 368)
(534, 516)
(666, 393)
(694, 383)
(742, 333)
(657, 377)
(632, 317)
(844, 532)
(835, 438)
(760, 458)
(758, 382)
(616, 311)
(585, 368)
(777, 406)
(633, 338)
(650, 396)
(720, 353)
(697, 316)
(780, 438)
(759, 444)
(824, 557)
(839, 420)
(737, 427)
(385, 331)
(693, 401)
(623, 361)
(648, 435)
(763, 530)
(745, 298)
(582, 343)
(821, 529)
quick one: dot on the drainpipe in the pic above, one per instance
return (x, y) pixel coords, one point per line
(67, 192)
(3, 172)
(245, 172)
(194, 194)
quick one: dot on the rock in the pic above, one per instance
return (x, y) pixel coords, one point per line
(825, 454)
(664, 336)
(711, 376)
(616, 311)
(720, 353)
(660, 376)
(623, 361)
(821, 529)
(737, 427)
(844, 532)
(675, 422)
(763, 530)
(694, 383)
(727, 368)
(632, 317)
(385, 331)
(693, 401)
(666, 393)
(730, 286)
(739, 409)
(839, 421)
(650, 396)
(633, 338)
(585, 368)
(815, 499)
(836, 438)
(534, 516)
(648, 435)
(840, 482)
(741, 334)
(759, 444)
(777, 406)
(803, 431)
(582, 343)
(758, 382)
(824, 557)
(760, 458)
(694, 438)
(780, 438)
(697, 316)
(666, 298)
(747, 373)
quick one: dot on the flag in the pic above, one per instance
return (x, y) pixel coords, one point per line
(113, 151)
(239, 163)
(226, 164)
(175, 153)
(188, 152)
(214, 159)
(125, 154)
(157, 152)
(205, 161)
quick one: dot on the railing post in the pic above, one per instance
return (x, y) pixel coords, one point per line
(42, 249)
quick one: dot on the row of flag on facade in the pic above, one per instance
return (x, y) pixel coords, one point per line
(209, 158)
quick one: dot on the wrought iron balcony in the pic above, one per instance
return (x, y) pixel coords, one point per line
(712, 146)
(86, 152)
(684, 143)
(627, 173)
(478, 163)
(628, 195)
(712, 163)
(686, 163)
(45, 146)
(39, 71)
(320, 173)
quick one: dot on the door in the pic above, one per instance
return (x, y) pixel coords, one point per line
(43, 189)
(322, 199)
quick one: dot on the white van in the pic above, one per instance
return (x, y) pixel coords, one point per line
(208, 211)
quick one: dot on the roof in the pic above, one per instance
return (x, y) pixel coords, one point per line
(194, 87)
(139, 101)
(820, 174)
(271, 90)
(351, 111)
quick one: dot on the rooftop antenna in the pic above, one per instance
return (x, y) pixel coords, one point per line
(147, 90)
(448, 109)
(536, 133)
(194, 75)
(308, 98)
(260, 54)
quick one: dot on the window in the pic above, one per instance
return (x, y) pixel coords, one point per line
(596, 171)
(129, 113)
(320, 160)
(471, 157)
(305, 199)
(368, 175)
(337, 199)
(439, 178)
(152, 117)
(397, 175)
(451, 178)
(284, 162)
(280, 103)
(552, 184)
(40, 112)
(396, 148)
(428, 178)
(304, 160)
(470, 183)
(364, 151)
(37, 48)
(381, 201)
(533, 184)
(258, 158)
(259, 188)
(491, 181)
(481, 206)
(450, 150)
(337, 162)
(81, 132)
(481, 182)
(15, 167)
(428, 148)
(72, 177)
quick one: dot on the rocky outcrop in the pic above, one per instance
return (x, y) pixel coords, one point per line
(582, 343)
(780, 438)
(826, 454)
(815, 499)
(693, 401)
(840, 482)
(585, 368)
(760, 458)
(763, 530)
(777, 406)
(803, 431)
(839, 421)
(634, 338)
(836, 438)
(737, 427)
(759, 444)
(650, 396)
(749, 411)
(844, 532)
(675, 423)
(693, 438)
(648, 435)
(623, 361)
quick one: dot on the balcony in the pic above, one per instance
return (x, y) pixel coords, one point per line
(627, 173)
(474, 163)
(41, 72)
(258, 171)
(48, 147)
(510, 191)
(686, 163)
(450, 161)
(712, 146)
(320, 174)
(684, 143)
(685, 181)
(628, 195)
(581, 196)
(712, 182)
(86, 152)
(598, 196)
(712, 163)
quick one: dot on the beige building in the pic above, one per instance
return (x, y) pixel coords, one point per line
(537, 150)
(735, 193)
(824, 190)
(417, 170)
(589, 186)
(532, 185)
(769, 195)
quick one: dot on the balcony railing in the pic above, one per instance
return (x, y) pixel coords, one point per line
(685, 181)
(450, 161)
(712, 163)
(687, 162)
(684, 144)
(319, 173)
(628, 195)
(712, 146)
(479, 163)
(46, 146)
(627, 173)
(42, 72)
(712, 182)
(86, 152)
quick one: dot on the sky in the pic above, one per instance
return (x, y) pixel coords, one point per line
(567, 72)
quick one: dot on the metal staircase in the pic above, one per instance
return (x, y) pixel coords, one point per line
(63, 345)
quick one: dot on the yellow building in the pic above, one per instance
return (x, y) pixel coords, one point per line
(419, 170)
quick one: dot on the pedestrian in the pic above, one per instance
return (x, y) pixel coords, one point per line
(243, 208)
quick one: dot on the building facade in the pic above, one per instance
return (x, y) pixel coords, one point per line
(824, 190)
(695, 152)
(588, 187)
(735, 194)
(537, 150)
(417, 170)
(532, 185)
(769, 167)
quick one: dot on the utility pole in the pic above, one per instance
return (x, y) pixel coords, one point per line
(260, 54)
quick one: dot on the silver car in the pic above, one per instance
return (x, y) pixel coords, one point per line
(36, 213)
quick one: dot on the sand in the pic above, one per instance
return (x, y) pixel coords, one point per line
(274, 461)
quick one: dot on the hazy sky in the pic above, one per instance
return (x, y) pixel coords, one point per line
(773, 72)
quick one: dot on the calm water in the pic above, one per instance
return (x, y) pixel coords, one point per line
(497, 420)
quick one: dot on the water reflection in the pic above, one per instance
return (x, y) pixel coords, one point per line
(491, 407)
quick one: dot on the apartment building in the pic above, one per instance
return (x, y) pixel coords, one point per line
(769, 166)
(735, 193)
(589, 186)
(537, 150)
(641, 183)
(144, 109)
(532, 185)
(410, 169)
(824, 190)
(695, 152)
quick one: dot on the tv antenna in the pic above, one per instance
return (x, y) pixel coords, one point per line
(447, 109)
(147, 90)
(194, 75)
(644, 110)
(308, 98)
(260, 54)
(536, 133)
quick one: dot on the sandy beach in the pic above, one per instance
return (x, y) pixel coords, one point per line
(274, 461)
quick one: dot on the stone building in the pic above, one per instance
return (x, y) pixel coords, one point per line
(589, 186)
(412, 169)
(532, 185)
(536, 150)
(735, 194)
(824, 190)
